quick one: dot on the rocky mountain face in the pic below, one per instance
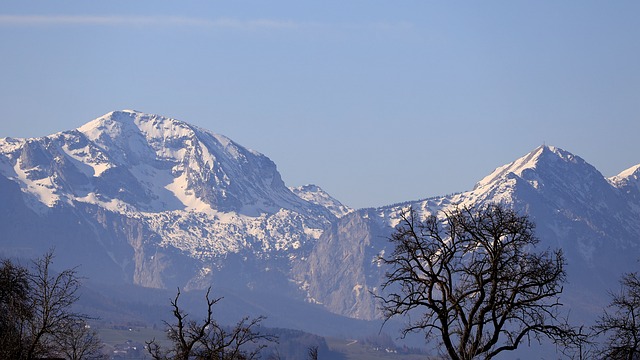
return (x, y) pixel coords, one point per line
(152, 201)
(594, 220)
(157, 202)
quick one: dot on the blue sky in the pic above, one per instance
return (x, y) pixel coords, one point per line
(375, 101)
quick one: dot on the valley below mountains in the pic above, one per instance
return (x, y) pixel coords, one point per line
(145, 202)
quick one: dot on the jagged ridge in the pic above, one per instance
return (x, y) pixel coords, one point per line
(191, 190)
(593, 219)
(164, 203)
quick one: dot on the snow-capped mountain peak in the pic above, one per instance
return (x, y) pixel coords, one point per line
(545, 154)
(630, 175)
(200, 191)
(163, 203)
(573, 206)
(545, 169)
(173, 165)
(628, 182)
(315, 194)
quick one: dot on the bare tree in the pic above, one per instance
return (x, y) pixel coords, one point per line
(313, 353)
(185, 335)
(52, 298)
(622, 325)
(208, 339)
(79, 342)
(14, 308)
(36, 312)
(475, 281)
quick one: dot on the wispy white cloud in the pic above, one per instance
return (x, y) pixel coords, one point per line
(254, 24)
(222, 23)
(117, 20)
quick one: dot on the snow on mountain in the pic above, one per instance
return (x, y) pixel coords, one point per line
(574, 207)
(148, 163)
(314, 194)
(157, 202)
(190, 168)
(628, 181)
(193, 191)
(631, 174)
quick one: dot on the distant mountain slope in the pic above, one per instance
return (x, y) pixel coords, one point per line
(166, 203)
(130, 161)
(628, 181)
(594, 220)
(152, 201)
(316, 195)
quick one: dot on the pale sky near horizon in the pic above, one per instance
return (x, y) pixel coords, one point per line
(377, 102)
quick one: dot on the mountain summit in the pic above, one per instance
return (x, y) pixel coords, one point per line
(153, 201)
(127, 159)
(593, 219)
(548, 167)
(183, 189)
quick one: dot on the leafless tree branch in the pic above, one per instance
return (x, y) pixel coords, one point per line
(208, 339)
(476, 280)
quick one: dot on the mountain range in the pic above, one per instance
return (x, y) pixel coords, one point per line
(149, 201)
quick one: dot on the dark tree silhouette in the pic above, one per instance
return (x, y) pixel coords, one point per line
(622, 323)
(14, 308)
(52, 298)
(208, 339)
(37, 317)
(474, 281)
(312, 353)
(79, 342)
